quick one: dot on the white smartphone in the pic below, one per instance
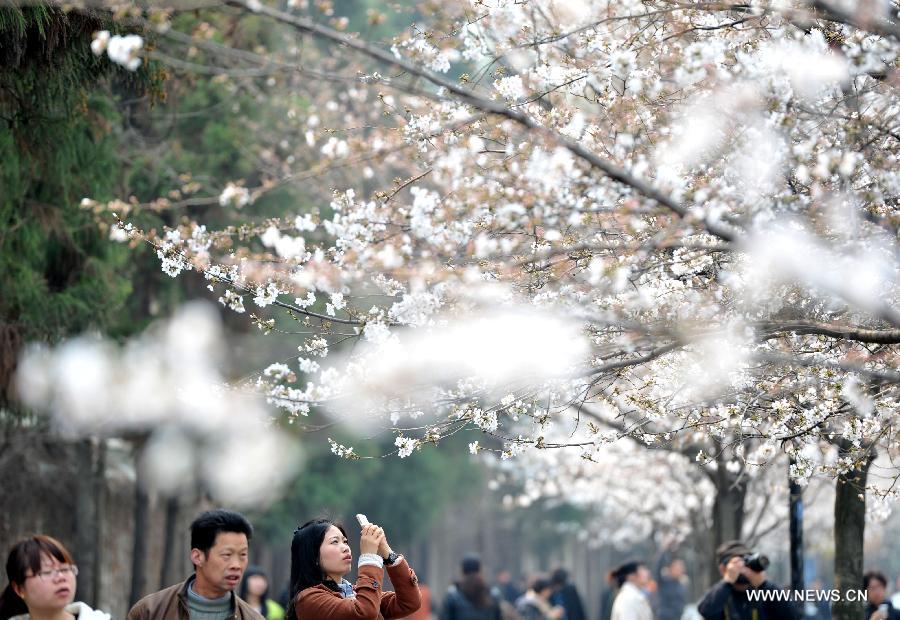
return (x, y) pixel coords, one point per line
(361, 518)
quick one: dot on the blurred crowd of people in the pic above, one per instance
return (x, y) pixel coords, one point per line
(635, 591)
(545, 597)
(42, 584)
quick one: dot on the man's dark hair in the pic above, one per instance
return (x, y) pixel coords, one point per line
(470, 564)
(207, 526)
(559, 577)
(876, 575)
(540, 584)
(729, 549)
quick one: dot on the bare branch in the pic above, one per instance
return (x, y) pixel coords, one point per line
(831, 330)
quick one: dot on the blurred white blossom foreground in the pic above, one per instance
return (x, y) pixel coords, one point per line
(164, 384)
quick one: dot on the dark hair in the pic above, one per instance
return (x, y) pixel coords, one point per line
(729, 549)
(874, 575)
(253, 571)
(621, 573)
(559, 577)
(25, 556)
(305, 569)
(471, 563)
(207, 526)
(539, 584)
(475, 589)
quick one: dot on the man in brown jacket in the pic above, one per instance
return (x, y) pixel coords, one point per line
(220, 544)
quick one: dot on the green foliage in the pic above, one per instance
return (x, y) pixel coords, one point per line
(59, 275)
(377, 20)
(404, 495)
(15, 21)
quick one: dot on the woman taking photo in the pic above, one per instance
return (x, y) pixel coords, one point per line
(321, 557)
(42, 584)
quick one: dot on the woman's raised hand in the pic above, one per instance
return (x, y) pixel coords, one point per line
(384, 549)
(371, 539)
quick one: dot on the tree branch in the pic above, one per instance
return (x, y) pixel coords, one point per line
(875, 25)
(831, 330)
(714, 226)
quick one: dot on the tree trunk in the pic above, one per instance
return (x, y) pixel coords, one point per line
(141, 525)
(795, 510)
(849, 531)
(169, 574)
(88, 512)
(728, 510)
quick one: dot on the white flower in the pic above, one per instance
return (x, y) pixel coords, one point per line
(101, 40)
(406, 446)
(335, 148)
(389, 257)
(304, 223)
(124, 50)
(306, 303)
(290, 247)
(376, 332)
(415, 309)
(270, 237)
(622, 62)
(341, 450)
(485, 420)
(233, 301)
(118, 234)
(337, 301)
(235, 196)
(510, 88)
(388, 287)
(474, 447)
(308, 366)
(766, 451)
(172, 267)
(277, 371)
(266, 296)
(316, 346)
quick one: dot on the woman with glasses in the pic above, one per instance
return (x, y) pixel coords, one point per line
(41, 576)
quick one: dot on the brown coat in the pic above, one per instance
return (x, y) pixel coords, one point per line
(371, 603)
(171, 604)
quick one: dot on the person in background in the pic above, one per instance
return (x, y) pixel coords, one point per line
(424, 612)
(878, 607)
(255, 590)
(535, 603)
(470, 598)
(42, 582)
(817, 610)
(566, 595)
(671, 591)
(607, 596)
(729, 599)
(895, 600)
(507, 588)
(632, 602)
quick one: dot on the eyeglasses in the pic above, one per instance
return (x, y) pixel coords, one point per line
(51, 573)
